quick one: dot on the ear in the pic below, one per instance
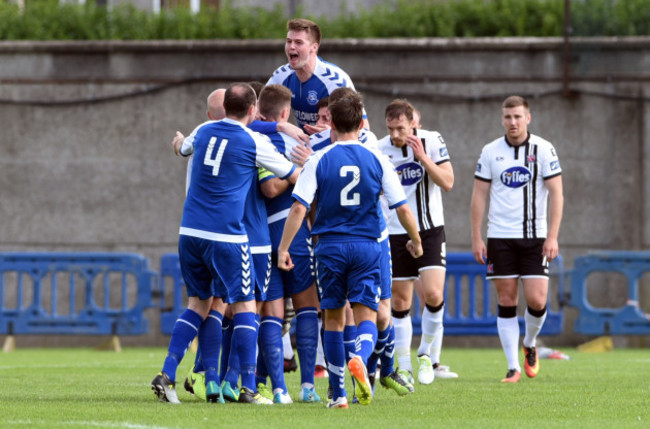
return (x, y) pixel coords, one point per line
(286, 111)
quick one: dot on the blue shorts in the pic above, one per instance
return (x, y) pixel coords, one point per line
(303, 275)
(386, 270)
(216, 268)
(348, 270)
(262, 263)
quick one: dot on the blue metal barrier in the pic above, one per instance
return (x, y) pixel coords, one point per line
(468, 295)
(470, 300)
(171, 278)
(626, 320)
(74, 293)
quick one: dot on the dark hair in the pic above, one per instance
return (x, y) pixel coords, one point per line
(347, 113)
(257, 87)
(323, 102)
(273, 99)
(238, 99)
(398, 108)
(341, 93)
(514, 101)
(301, 24)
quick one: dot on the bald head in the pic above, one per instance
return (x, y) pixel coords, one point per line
(216, 111)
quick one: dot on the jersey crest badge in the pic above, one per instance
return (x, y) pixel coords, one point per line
(312, 98)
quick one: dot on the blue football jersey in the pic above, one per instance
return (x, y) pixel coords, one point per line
(346, 178)
(326, 78)
(225, 165)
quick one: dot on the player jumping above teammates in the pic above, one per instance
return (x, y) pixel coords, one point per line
(422, 161)
(307, 76)
(347, 179)
(213, 245)
(519, 172)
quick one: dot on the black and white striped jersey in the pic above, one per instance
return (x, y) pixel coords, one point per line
(423, 195)
(518, 196)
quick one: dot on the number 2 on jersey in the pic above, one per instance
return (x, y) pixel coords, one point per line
(216, 162)
(349, 198)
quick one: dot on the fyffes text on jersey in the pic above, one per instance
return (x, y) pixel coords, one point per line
(516, 177)
(410, 173)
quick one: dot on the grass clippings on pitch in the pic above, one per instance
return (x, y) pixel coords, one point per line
(79, 388)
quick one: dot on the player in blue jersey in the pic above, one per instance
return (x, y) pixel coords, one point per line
(260, 245)
(307, 76)
(346, 179)
(299, 284)
(214, 249)
(389, 378)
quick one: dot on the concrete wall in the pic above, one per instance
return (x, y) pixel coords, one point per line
(86, 161)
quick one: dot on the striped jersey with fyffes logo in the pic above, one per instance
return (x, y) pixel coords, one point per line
(518, 197)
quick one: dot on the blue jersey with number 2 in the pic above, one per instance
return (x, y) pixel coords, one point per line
(346, 179)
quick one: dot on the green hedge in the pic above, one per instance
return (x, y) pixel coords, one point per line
(47, 20)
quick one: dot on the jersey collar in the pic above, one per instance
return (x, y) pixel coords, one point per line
(524, 143)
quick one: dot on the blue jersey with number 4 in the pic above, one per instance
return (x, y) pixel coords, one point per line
(225, 163)
(346, 179)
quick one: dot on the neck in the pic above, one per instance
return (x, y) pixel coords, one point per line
(244, 120)
(307, 71)
(347, 136)
(517, 142)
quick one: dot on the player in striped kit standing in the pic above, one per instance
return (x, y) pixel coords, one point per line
(521, 173)
(423, 164)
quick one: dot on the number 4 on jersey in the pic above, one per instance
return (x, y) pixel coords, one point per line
(216, 162)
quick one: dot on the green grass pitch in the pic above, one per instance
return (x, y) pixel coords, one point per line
(86, 388)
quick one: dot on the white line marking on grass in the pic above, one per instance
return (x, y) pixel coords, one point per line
(85, 423)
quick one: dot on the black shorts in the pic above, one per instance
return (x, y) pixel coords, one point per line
(407, 267)
(512, 257)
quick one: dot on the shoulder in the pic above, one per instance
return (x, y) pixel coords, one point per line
(288, 140)
(384, 142)
(535, 139)
(332, 75)
(495, 144)
(319, 140)
(433, 136)
(281, 74)
(367, 137)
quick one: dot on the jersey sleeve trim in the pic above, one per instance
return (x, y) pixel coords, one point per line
(394, 206)
(482, 179)
(553, 175)
(443, 161)
(293, 168)
(300, 200)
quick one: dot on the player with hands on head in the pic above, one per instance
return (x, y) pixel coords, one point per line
(422, 160)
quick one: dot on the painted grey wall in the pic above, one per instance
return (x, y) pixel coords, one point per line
(86, 162)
